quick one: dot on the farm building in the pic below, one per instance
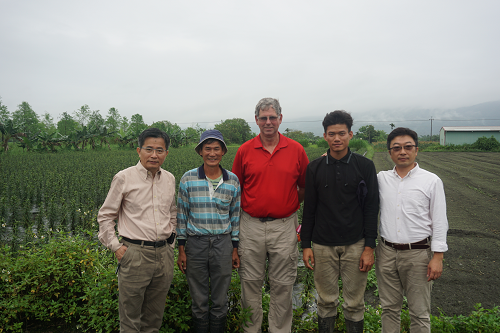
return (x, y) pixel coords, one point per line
(466, 134)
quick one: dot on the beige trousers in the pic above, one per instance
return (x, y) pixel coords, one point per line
(330, 262)
(144, 278)
(276, 242)
(399, 273)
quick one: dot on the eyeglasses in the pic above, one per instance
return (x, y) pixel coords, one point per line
(158, 151)
(264, 119)
(406, 147)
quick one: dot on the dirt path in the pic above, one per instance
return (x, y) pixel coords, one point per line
(472, 264)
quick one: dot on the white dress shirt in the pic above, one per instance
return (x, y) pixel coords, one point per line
(413, 208)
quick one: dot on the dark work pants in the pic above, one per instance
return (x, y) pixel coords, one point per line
(209, 265)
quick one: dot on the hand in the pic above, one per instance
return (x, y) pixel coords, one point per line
(308, 255)
(181, 260)
(435, 267)
(120, 252)
(236, 258)
(367, 259)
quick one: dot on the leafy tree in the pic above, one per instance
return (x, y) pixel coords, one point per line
(47, 123)
(113, 120)
(82, 115)
(137, 124)
(9, 130)
(392, 126)
(96, 121)
(235, 130)
(301, 136)
(67, 124)
(380, 136)
(4, 112)
(124, 124)
(367, 133)
(26, 119)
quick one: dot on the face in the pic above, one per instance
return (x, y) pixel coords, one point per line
(212, 153)
(268, 127)
(152, 161)
(404, 158)
(338, 137)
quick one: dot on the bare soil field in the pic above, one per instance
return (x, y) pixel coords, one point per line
(472, 264)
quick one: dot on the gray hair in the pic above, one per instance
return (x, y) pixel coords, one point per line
(266, 103)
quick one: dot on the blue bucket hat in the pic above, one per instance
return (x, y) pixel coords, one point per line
(211, 134)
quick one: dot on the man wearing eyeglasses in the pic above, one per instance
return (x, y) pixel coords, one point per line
(142, 201)
(413, 227)
(271, 169)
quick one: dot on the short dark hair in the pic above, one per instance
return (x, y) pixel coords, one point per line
(400, 131)
(153, 132)
(212, 140)
(338, 117)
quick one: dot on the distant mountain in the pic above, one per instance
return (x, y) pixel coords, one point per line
(484, 114)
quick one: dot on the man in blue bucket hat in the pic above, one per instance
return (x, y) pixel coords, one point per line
(208, 219)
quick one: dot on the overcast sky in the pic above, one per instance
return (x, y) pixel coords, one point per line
(204, 61)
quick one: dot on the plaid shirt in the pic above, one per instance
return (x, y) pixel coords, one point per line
(203, 211)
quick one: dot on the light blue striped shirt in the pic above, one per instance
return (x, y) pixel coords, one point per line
(201, 210)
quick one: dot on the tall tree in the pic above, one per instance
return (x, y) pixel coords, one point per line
(4, 112)
(26, 119)
(96, 121)
(66, 124)
(367, 133)
(82, 115)
(137, 124)
(235, 130)
(124, 124)
(113, 120)
(48, 123)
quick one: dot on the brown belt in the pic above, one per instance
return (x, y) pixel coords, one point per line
(409, 246)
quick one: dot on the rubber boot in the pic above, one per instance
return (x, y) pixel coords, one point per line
(354, 326)
(200, 325)
(326, 325)
(217, 325)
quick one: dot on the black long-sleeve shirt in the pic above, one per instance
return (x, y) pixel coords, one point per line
(333, 213)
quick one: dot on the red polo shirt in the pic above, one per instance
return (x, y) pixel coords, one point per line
(269, 181)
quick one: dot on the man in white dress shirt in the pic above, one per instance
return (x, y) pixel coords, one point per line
(413, 227)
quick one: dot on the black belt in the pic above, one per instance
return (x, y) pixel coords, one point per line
(409, 246)
(170, 240)
(266, 219)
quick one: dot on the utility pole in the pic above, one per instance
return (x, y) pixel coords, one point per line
(430, 138)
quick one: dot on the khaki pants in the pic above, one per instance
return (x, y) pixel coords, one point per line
(144, 278)
(275, 241)
(329, 263)
(404, 272)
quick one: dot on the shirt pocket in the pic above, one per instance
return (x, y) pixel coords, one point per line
(222, 204)
(415, 202)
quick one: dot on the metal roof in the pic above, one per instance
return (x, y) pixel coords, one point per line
(471, 128)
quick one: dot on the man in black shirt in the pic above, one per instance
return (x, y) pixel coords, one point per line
(340, 218)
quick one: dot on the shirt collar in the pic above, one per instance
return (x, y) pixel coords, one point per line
(201, 173)
(144, 172)
(410, 173)
(346, 159)
(281, 144)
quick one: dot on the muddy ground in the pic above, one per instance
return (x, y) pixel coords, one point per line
(472, 264)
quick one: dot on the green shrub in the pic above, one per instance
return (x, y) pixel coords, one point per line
(484, 143)
(304, 142)
(44, 282)
(322, 143)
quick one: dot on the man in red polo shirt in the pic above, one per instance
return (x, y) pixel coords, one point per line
(271, 169)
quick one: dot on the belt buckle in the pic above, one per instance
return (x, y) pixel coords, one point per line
(159, 243)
